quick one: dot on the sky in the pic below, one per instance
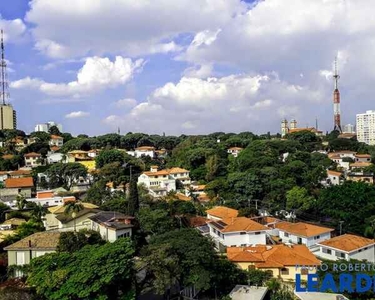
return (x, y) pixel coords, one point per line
(187, 66)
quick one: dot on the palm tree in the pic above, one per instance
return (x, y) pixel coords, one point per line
(38, 213)
(21, 202)
(72, 208)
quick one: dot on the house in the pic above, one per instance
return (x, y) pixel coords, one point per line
(361, 176)
(347, 246)
(112, 225)
(318, 295)
(33, 159)
(280, 260)
(49, 198)
(15, 187)
(219, 213)
(83, 158)
(19, 143)
(56, 141)
(234, 151)
(160, 182)
(56, 219)
(302, 233)
(333, 178)
(342, 158)
(12, 223)
(359, 165)
(245, 292)
(22, 252)
(143, 151)
(3, 176)
(239, 231)
(20, 173)
(362, 158)
(55, 157)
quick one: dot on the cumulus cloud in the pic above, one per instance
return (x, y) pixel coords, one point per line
(13, 29)
(96, 74)
(126, 103)
(230, 103)
(126, 26)
(77, 114)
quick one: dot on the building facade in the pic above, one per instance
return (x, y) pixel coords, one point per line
(46, 126)
(366, 127)
(8, 117)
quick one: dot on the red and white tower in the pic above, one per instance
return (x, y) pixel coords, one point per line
(336, 101)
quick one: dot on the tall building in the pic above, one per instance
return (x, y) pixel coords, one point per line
(349, 128)
(336, 101)
(8, 117)
(366, 127)
(46, 126)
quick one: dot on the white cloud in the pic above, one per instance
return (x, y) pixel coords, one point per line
(13, 29)
(201, 71)
(230, 103)
(126, 103)
(77, 114)
(96, 74)
(123, 26)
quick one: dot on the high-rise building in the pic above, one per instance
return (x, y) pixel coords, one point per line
(8, 117)
(46, 126)
(349, 128)
(366, 127)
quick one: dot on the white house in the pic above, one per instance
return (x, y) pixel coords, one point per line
(363, 157)
(302, 233)
(347, 247)
(56, 140)
(160, 182)
(32, 159)
(112, 225)
(234, 151)
(49, 198)
(339, 158)
(221, 212)
(143, 151)
(333, 177)
(54, 158)
(235, 232)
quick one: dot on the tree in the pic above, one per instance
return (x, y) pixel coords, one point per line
(41, 136)
(21, 202)
(72, 208)
(133, 197)
(3, 208)
(109, 156)
(98, 193)
(38, 213)
(94, 272)
(65, 174)
(73, 241)
(54, 130)
(155, 221)
(298, 198)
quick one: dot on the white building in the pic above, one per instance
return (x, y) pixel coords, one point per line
(340, 157)
(56, 140)
(160, 182)
(234, 151)
(49, 198)
(303, 233)
(112, 225)
(143, 151)
(54, 158)
(334, 178)
(347, 247)
(349, 128)
(33, 159)
(46, 126)
(366, 127)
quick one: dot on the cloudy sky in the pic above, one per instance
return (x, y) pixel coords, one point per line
(187, 66)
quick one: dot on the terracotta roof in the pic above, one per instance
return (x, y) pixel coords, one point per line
(203, 198)
(346, 135)
(275, 256)
(348, 242)
(235, 148)
(7, 156)
(360, 164)
(156, 173)
(32, 154)
(4, 172)
(45, 194)
(197, 221)
(177, 170)
(222, 212)
(56, 137)
(77, 152)
(25, 182)
(238, 224)
(55, 148)
(334, 173)
(20, 172)
(182, 197)
(271, 220)
(145, 148)
(199, 187)
(46, 240)
(302, 229)
(363, 155)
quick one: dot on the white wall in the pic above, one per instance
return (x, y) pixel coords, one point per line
(311, 241)
(366, 253)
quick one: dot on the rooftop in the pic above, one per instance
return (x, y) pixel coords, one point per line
(275, 256)
(348, 242)
(222, 212)
(25, 182)
(112, 219)
(32, 154)
(360, 164)
(245, 292)
(302, 229)
(47, 240)
(320, 296)
(61, 208)
(333, 173)
(238, 224)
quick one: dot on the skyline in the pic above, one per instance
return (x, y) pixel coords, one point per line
(226, 65)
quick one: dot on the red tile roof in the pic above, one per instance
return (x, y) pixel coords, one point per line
(348, 242)
(32, 154)
(222, 212)
(302, 229)
(25, 182)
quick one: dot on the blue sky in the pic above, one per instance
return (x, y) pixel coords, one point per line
(186, 66)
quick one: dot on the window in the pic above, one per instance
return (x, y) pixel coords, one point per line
(317, 237)
(251, 268)
(286, 234)
(242, 233)
(284, 271)
(327, 251)
(243, 245)
(257, 233)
